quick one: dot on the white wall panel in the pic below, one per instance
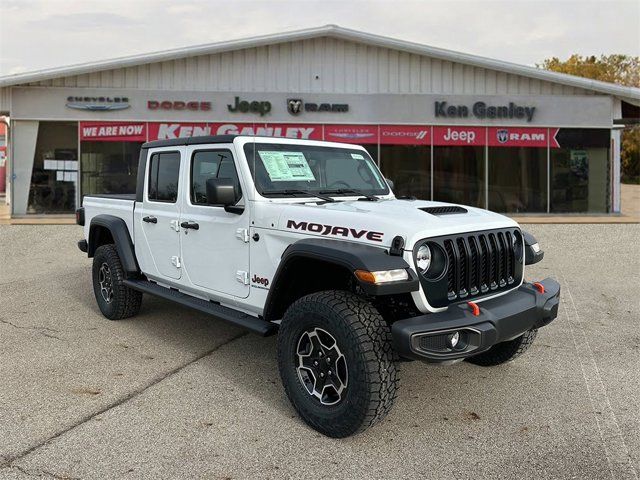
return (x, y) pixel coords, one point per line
(342, 67)
(5, 99)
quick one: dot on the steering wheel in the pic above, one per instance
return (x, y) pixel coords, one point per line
(341, 182)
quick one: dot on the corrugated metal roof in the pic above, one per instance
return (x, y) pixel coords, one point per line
(333, 31)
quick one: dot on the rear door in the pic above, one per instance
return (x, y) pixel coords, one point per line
(216, 252)
(157, 229)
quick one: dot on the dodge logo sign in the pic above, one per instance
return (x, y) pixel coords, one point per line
(178, 105)
(502, 135)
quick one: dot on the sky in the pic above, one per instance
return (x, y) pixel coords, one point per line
(37, 34)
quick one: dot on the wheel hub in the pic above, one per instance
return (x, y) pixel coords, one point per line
(321, 366)
(106, 285)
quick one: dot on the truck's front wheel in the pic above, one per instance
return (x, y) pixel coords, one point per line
(115, 300)
(337, 363)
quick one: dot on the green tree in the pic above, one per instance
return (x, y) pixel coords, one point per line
(620, 69)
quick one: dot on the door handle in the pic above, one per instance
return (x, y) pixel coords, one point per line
(150, 219)
(192, 225)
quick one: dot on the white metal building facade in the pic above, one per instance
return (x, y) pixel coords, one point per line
(441, 124)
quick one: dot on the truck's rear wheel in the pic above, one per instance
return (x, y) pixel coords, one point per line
(505, 351)
(115, 300)
(336, 362)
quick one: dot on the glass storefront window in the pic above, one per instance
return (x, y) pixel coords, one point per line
(109, 167)
(580, 172)
(409, 167)
(518, 179)
(458, 175)
(55, 169)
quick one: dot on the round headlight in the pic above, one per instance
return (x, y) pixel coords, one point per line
(423, 258)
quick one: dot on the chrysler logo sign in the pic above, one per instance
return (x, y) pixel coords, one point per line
(97, 104)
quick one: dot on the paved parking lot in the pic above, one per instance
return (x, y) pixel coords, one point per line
(174, 394)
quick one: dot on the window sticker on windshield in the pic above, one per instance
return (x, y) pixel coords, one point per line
(286, 166)
(357, 156)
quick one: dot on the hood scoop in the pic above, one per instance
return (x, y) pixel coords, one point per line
(448, 210)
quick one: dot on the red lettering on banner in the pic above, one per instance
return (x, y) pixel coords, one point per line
(351, 133)
(405, 135)
(113, 131)
(521, 137)
(459, 136)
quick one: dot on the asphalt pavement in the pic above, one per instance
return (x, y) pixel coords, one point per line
(172, 393)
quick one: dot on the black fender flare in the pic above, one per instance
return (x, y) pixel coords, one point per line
(351, 256)
(121, 237)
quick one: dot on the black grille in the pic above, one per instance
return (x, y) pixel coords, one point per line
(434, 343)
(444, 210)
(481, 263)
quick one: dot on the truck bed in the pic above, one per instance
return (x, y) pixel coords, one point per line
(119, 205)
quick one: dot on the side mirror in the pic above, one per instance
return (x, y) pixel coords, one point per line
(221, 191)
(390, 183)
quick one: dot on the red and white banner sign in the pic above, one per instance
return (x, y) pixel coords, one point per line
(522, 137)
(351, 133)
(459, 136)
(357, 134)
(405, 135)
(113, 131)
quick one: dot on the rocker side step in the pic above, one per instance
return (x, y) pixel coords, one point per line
(254, 324)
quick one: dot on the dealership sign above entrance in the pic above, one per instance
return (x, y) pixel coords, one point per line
(131, 105)
(343, 133)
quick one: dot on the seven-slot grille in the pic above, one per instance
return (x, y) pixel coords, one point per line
(480, 263)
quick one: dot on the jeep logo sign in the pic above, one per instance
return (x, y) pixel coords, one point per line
(333, 230)
(254, 106)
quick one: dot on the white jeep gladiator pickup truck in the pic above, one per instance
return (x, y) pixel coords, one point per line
(306, 239)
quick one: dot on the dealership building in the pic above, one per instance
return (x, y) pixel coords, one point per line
(442, 125)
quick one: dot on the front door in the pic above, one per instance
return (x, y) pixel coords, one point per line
(157, 230)
(215, 243)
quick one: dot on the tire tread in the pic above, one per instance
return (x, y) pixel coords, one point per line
(506, 351)
(127, 301)
(373, 336)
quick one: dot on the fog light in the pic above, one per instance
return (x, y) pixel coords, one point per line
(453, 339)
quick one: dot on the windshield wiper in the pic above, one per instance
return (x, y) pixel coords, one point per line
(290, 191)
(354, 191)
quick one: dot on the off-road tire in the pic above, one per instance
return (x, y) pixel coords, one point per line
(505, 351)
(125, 302)
(364, 339)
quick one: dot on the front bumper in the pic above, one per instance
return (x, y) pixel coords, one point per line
(427, 337)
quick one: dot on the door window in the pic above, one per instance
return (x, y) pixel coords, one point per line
(206, 164)
(164, 171)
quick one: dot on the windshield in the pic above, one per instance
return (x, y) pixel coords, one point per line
(286, 169)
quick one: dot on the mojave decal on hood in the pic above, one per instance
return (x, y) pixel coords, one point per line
(377, 223)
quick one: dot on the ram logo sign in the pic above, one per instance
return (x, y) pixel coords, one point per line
(502, 135)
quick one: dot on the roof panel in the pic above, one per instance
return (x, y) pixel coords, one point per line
(335, 33)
